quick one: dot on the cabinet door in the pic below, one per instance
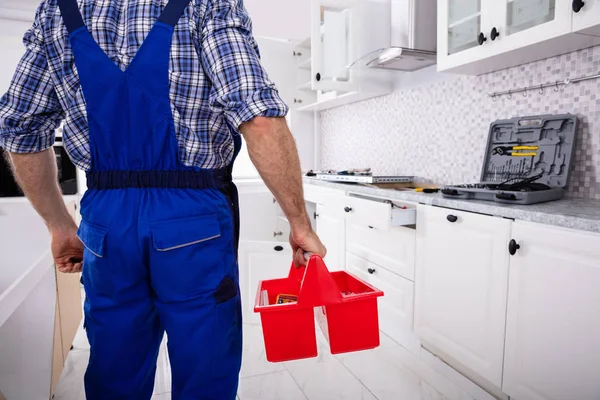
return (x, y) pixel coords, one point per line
(553, 323)
(461, 283)
(258, 213)
(260, 261)
(331, 231)
(587, 19)
(396, 307)
(332, 44)
(460, 22)
(521, 23)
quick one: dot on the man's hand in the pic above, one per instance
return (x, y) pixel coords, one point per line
(37, 176)
(67, 250)
(306, 242)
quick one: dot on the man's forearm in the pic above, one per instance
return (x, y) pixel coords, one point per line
(273, 151)
(38, 177)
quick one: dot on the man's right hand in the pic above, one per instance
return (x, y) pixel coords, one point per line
(67, 250)
(306, 242)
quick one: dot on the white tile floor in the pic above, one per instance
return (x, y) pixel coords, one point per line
(386, 373)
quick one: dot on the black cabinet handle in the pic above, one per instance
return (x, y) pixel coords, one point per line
(318, 77)
(316, 215)
(452, 218)
(494, 34)
(578, 5)
(481, 38)
(513, 246)
(278, 248)
(371, 271)
(348, 209)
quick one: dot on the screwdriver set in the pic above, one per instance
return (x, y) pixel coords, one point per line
(527, 161)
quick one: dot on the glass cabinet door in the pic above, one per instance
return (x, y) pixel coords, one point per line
(464, 25)
(520, 23)
(526, 14)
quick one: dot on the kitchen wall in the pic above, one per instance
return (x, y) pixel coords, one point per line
(435, 126)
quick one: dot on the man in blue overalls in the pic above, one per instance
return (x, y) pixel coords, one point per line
(155, 96)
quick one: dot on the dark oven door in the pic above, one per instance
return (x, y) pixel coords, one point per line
(67, 174)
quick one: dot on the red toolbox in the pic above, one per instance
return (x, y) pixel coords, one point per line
(344, 306)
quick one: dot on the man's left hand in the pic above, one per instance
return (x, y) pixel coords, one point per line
(67, 250)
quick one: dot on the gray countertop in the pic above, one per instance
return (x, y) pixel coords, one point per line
(572, 213)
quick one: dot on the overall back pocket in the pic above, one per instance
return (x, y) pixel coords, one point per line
(186, 259)
(96, 265)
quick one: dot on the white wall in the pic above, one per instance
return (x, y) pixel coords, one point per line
(12, 48)
(269, 18)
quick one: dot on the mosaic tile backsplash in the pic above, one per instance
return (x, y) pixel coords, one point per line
(438, 131)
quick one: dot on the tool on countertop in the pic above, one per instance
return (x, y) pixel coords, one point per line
(544, 146)
(514, 151)
(427, 190)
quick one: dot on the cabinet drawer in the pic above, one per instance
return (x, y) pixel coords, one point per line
(378, 213)
(393, 249)
(321, 195)
(396, 307)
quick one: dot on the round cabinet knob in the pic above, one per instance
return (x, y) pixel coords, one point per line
(318, 77)
(315, 215)
(494, 34)
(513, 246)
(481, 39)
(578, 5)
(348, 209)
(371, 271)
(278, 248)
(452, 218)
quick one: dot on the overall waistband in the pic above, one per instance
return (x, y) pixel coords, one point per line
(203, 179)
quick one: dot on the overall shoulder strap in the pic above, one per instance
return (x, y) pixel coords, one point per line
(173, 12)
(71, 14)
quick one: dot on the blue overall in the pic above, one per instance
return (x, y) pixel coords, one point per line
(160, 237)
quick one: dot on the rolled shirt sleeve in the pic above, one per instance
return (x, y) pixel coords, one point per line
(30, 111)
(230, 57)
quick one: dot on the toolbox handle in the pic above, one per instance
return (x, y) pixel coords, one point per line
(317, 287)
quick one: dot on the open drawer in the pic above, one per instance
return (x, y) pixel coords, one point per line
(379, 213)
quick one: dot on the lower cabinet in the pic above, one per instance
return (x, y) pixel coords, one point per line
(553, 322)
(260, 261)
(397, 305)
(331, 230)
(461, 284)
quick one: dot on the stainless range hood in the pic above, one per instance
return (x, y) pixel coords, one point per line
(414, 38)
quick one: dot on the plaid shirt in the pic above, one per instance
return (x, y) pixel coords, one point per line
(217, 81)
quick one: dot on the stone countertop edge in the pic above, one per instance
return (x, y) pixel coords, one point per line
(582, 215)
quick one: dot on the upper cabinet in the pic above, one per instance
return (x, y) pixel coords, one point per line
(342, 31)
(480, 36)
(586, 17)
(461, 25)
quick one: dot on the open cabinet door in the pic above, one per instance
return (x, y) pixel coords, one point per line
(332, 37)
(260, 260)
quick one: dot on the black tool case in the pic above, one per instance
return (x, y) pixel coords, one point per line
(527, 161)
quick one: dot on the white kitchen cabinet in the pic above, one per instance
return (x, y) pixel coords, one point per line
(460, 22)
(480, 36)
(586, 17)
(342, 31)
(392, 249)
(396, 307)
(553, 323)
(331, 230)
(521, 23)
(379, 213)
(461, 284)
(260, 261)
